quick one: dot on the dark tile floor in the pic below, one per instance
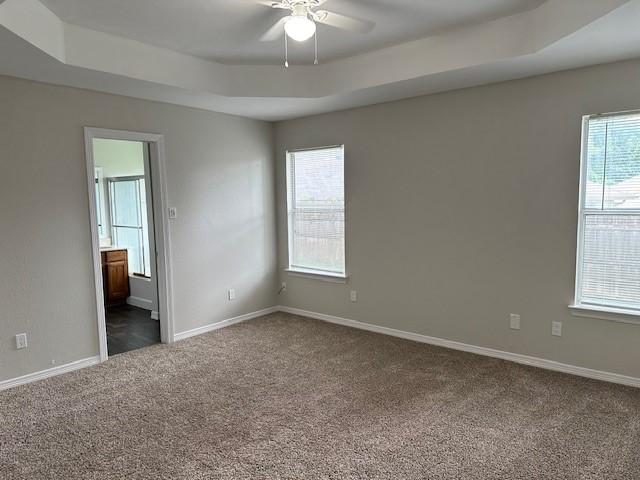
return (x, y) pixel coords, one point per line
(130, 328)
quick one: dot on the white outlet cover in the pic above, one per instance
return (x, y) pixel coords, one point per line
(232, 294)
(514, 321)
(21, 341)
(354, 296)
(556, 329)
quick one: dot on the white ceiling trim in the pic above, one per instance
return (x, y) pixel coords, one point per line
(509, 38)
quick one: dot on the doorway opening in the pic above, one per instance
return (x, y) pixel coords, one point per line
(130, 248)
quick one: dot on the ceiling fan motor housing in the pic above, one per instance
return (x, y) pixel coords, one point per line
(300, 10)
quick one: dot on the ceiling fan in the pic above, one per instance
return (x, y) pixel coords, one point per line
(300, 25)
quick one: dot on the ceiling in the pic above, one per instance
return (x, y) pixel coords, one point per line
(228, 31)
(42, 43)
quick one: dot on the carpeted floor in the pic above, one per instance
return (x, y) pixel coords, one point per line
(284, 397)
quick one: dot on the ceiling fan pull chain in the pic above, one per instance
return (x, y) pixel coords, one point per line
(315, 35)
(286, 53)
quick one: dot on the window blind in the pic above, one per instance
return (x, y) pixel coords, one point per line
(609, 243)
(315, 204)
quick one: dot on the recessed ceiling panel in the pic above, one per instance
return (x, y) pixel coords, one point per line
(229, 30)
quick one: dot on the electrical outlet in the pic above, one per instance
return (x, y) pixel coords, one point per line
(232, 294)
(21, 341)
(173, 213)
(354, 296)
(284, 287)
(556, 329)
(514, 321)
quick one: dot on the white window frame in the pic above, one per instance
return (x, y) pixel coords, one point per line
(334, 277)
(141, 227)
(579, 309)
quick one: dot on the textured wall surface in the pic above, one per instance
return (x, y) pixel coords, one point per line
(462, 208)
(220, 177)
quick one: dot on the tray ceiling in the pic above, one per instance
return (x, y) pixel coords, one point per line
(228, 31)
(40, 44)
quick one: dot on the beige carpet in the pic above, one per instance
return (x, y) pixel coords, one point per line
(284, 397)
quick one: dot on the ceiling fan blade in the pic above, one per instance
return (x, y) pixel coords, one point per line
(275, 32)
(269, 3)
(264, 3)
(343, 22)
(274, 4)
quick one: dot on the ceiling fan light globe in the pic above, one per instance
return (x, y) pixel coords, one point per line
(300, 28)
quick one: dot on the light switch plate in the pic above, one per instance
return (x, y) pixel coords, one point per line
(232, 294)
(556, 329)
(514, 321)
(173, 213)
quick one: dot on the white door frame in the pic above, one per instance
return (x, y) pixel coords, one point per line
(161, 226)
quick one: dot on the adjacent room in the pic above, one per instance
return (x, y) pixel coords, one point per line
(124, 222)
(320, 239)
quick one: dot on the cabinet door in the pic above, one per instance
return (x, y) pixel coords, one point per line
(117, 281)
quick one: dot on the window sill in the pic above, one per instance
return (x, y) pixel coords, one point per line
(140, 277)
(612, 314)
(323, 276)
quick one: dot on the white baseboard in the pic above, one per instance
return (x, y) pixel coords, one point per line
(489, 352)
(49, 372)
(224, 323)
(416, 337)
(140, 302)
(87, 362)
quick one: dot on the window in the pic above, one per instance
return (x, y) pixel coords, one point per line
(129, 221)
(315, 206)
(608, 261)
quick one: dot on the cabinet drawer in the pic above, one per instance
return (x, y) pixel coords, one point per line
(115, 256)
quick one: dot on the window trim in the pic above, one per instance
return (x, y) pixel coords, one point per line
(298, 271)
(577, 308)
(619, 315)
(581, 202)
(318, 275)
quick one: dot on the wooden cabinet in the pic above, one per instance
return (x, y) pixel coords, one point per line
(115, 276)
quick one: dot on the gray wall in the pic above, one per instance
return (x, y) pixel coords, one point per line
(220, 177)
(462, 208)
